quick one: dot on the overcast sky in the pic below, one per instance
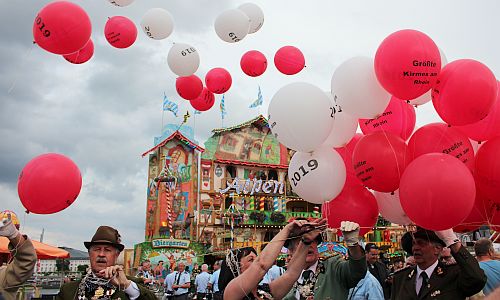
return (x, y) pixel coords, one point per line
(104, 114)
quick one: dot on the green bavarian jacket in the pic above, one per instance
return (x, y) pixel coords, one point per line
(336, 277)
(19, 270)
(69, 291)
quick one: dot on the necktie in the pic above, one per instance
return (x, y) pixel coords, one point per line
(178, 278)
(425, 281)
(306, 275)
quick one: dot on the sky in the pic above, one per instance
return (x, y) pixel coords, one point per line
(105, 113)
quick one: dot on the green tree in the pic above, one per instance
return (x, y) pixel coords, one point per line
(82, 268)
(62, 264)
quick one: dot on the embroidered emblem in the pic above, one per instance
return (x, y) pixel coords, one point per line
(99, 292)
(435, 293)
(439, 271)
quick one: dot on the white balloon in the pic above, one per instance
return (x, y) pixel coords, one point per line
(121, 3)
(301, 116)
(318, 176)
(344, 126)
(358, 90)
(255, 14)
(157, 23)
(427, 96)
(390, 208)
(232, 25)
(183, 59)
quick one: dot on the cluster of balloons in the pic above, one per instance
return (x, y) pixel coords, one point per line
(233, 25)
(431, 176)
(289, 60)
(217, 81)
(49, 183)
(64, 28)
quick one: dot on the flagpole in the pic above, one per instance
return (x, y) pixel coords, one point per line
(194, 125)
(162, 115)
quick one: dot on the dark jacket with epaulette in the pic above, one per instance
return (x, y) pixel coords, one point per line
(69, 291)
(454, 282)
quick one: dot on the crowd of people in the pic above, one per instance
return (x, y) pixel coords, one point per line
(439, 267)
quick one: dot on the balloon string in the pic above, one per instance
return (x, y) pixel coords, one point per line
(16, 78)
(23, 225)
(394, 152)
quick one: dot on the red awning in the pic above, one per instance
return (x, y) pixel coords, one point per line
(43, 251)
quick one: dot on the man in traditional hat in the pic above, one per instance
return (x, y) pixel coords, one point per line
(105, 279)
(432, 279)
(23, 261)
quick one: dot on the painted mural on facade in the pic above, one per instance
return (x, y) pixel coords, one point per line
(171, 186)
(170, 256)
(251, 143)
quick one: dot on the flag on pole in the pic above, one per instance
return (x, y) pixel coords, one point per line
(258, 101)
(170, 105)
(223, 111)
(186, 117)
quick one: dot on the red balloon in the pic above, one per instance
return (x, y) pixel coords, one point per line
(489, 208)
(253, 63)
(81, 56)
(379, 160)
(476, 218)
(62, 27)
(49, 183)
(494, 218)
(189, 87)
(437, 191)
(346, 154)
(356, 204)
(289, 60)
(205, 100)
(487, 169)
(218, 80)
(464, 92)
(407, 63)
(120, 32)
(441, 138)
(398, 118)
(488, 127)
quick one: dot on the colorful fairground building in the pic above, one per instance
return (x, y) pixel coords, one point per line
(233, 192)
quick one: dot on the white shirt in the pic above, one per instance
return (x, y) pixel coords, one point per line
(169, 281)
(313, 269)
(181, 279)
(133, 291)
(272, 274)
(429, 270)
(202, 281)
(214, 280)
